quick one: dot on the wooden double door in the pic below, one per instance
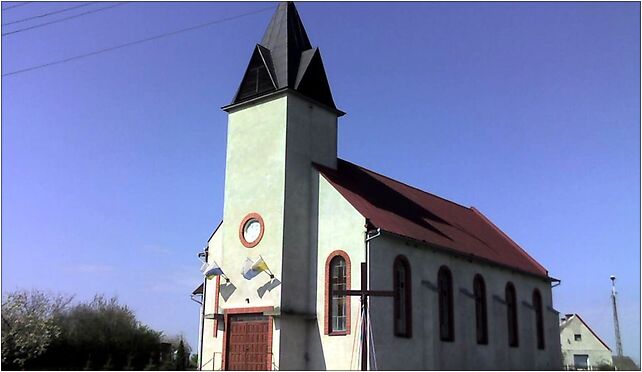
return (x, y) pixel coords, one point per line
(249, 343)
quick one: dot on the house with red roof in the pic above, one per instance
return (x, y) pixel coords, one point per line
(321, 264)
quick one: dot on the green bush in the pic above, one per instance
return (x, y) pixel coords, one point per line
(45, 332)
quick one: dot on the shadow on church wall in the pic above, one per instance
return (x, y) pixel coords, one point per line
(358, 181)
(314, 357)
(226, 290)
(270, 285)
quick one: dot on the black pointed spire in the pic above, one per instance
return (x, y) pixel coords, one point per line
(285, 59)
(286, 39)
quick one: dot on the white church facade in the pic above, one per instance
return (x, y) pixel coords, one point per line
(454, 291)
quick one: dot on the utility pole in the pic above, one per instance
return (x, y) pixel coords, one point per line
(618, 340)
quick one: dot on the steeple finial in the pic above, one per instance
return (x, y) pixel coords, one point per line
(285, 59)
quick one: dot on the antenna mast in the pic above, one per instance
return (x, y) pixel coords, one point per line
(616, 323)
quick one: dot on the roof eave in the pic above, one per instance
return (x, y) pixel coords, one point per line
(591, 330)
(198, 290)
(215, 230)
(470, 256)
(508, 239)
(279, 92)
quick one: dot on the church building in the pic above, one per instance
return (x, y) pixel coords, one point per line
(321, 264)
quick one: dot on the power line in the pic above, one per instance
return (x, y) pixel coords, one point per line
(63, 19)
(17, 5)
(166, 34)
(47, 14)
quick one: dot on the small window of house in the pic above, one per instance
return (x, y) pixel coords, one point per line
(578, 337)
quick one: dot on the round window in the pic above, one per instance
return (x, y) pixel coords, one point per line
(251, 230)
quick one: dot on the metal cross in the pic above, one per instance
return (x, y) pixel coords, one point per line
(364, 293)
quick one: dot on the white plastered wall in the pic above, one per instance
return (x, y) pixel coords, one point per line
(211, 358)
(311, 137)
(341, 227)
(588, 345)
(254, 183)
(425, 350)
(271, 146)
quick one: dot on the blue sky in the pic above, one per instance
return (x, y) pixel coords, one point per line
(113, 165)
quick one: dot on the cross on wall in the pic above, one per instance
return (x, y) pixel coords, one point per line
(364, 293)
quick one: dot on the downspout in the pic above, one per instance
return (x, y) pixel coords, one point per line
(369, 228)
(365, 359)
(202, 325)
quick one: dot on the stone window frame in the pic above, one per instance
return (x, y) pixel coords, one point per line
(328, 294)
(244, 221)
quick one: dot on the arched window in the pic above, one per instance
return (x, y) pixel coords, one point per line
(403, 300)
(481, 316)
(539, 318)
(511, 315)
(446, 313)
(337, 314)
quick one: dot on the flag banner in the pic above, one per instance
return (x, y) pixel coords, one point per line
(211, 270)
(252, 269)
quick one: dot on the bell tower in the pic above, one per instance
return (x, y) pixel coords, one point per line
(282, 120)
(285, 59)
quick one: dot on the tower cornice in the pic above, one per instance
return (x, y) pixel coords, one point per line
(277, 94)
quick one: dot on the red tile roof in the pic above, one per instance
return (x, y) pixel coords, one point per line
(400, 209)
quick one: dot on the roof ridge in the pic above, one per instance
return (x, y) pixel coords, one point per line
(505, 236)
(407, 185)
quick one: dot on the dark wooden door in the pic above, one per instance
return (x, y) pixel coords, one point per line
(249, 341)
